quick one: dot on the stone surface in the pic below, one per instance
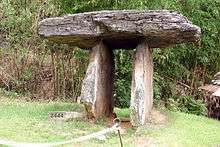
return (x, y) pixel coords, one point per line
(142, 85)
(65, 115)
(97, 86)
(120, 28)
(217, 93)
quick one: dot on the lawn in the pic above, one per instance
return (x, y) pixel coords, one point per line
(28, 121)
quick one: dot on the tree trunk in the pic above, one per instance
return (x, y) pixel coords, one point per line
(142, 85)
(97, 86)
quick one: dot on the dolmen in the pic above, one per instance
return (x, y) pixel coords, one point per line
(103, 31)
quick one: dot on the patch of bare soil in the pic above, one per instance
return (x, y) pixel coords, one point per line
(157, 117)
(124, 122)
(143, 141)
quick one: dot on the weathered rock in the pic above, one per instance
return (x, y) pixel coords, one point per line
(211, 93)
(65, 115)
(142, 84)
(120, 28)
(97, 86)
(216, 80)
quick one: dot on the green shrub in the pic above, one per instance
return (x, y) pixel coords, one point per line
(187, 104)
(122, 79)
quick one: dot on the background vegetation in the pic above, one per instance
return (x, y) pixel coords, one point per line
(30, 65)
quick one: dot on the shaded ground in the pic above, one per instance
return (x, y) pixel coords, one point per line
(28, 121)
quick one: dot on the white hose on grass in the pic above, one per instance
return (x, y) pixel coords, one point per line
(75, 140)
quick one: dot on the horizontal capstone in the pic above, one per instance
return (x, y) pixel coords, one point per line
(120, 28)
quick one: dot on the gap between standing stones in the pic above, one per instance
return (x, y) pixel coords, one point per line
(97, 87)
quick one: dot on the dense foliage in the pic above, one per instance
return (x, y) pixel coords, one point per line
(178, 71)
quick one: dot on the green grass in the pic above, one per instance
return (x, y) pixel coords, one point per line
(185, 130)
(29, 122)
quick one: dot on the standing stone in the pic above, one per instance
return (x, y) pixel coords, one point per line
(97, 86)
(142, 85)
